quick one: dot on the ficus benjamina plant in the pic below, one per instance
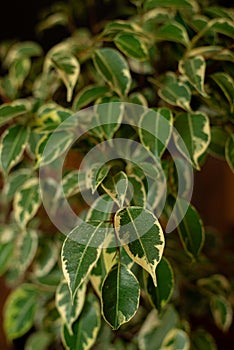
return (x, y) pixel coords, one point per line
(157, 75)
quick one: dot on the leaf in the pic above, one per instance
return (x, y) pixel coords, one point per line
(23, 49)
(194, 129)
(69, 309)
(131, 46)
(142, 237)
(80, 252)
(160, 295)
(68, 68)
(20, 310)
(218, 141)
(7, 245)
(26, 202)
(202, 340)
(85, 329)
(229, 152)
(88, 95)
(222, 312)
(96, 175)
(114, 70)
(136, 194)
(19, 70)
(156, 327)
(168, 3)
(116, 187)
(176, 339)
(191, 230)
(118, 26)
(213, 52)
(27, 243)
(194, 70)
(10, 110)
(176, 94)
(222, 25)
(46, 258)
(13, 143)
(155, 130)
(98, 274)
(38, 341)
(174, 32)
(226, 84)
(74, 182)
(119, 306)
(215, 284)
(15, 181)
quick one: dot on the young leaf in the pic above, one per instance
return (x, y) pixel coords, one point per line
(194, 70)
(176, 339)
(85, 329)
(160, 295)
(176, 94)
(13, 143)
(80, 252)
(222, 312)
(191, 230)
(96, 175)
(226, 84)
(194, 130)
(229, 152)
(142, 237)
(119, 306)
(155, 129)
(172, 31)
(20, 310)
(26, 202)
(131, 46)
(68, 69)
(69, 310)
(114, 70)
(88, 95)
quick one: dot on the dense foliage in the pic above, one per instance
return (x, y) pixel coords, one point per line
(97, 287)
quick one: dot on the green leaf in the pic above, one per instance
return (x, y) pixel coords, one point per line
(116, 187)
(202, 340)
(46, 258)
(215, 284)
(96, 175)
(218, 141)
(98, 274)
(229, 152)
(15, 181)
(80, 252)
(174, 32)
(38, 341)
(222, 312)
(194, 70)
(160, 295)
(19, 70)
(194, 129)
(115, 27)
(85, 329)
(13, 143)
(191, 230)
(176, 94)
(168, 3)
(20, 310)
(226, 84)
(88, 95)
(68, 68)
(131, 46)
(156, 327)
(10, 110)
(23, 49)
(69, 309)
(114, 70)
(176, 339)
(142, 237)
(26, 202)
(155, 130)
(136, 194)
(27, 243)
(213, 52)
(74, 182)
(222, 25)
(119, 306)
(7, 246)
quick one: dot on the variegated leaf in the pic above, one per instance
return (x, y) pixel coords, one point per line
(226, 84)
(46, 258)
(222, 312)
(7, 246)
(20, 310)
(88, 95)
(229, 152)
(26, 246)
(172, 31)
(114, 70)
(194, 129)
(119, 306)
(19, 70)
(218, 142)
(116, 187)
(10, 110)
(69, 309)
(202, 340)
(194, 70)
(74, 182)
(155, 130)
(81, 251)
(96, 175)
(169, 3)
(85, 329)
(176, 339)
(136, 193)
(26, 202)
(131, 46)
(13, 143)
(176, 94)
(15, 181)
(142, 237)
(38, 341)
